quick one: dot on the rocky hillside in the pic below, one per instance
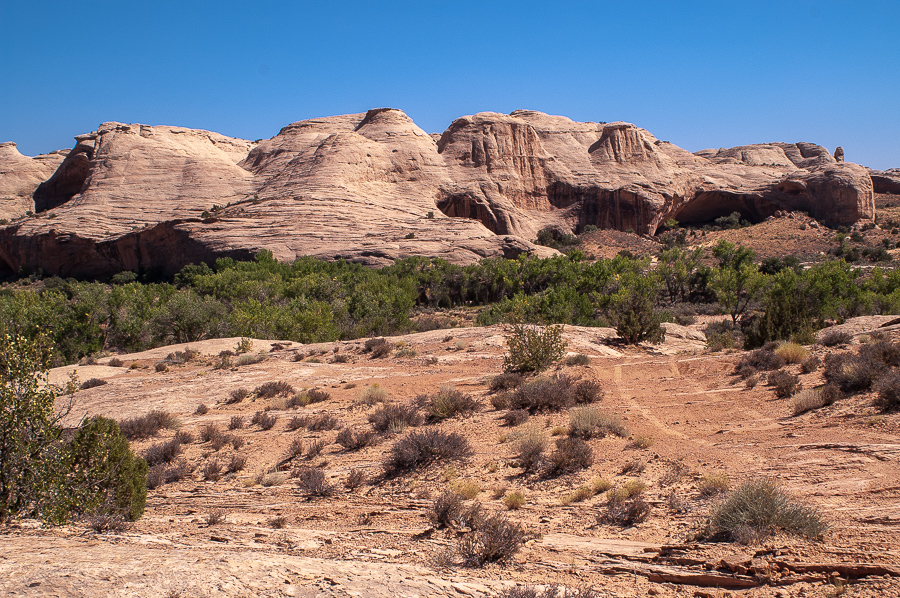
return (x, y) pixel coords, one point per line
(375, 187)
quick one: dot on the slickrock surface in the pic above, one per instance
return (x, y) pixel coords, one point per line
(377, 540)
(375, 187)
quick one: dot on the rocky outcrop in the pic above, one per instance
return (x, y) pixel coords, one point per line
(886, 181)
(374, 188)
(20, 176)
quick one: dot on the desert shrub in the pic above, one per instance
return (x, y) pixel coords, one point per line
(723, 335)
(271, 478)
(208, 432)
(162, 452)
(514, 501)
(543, 394)
(237, 395)
(381, 349)
(315, 447)
(212, 470)
(271, 390)
(340, 358)
(888, 388)
(446, 509)
(530, 444)
(237, 463)
(295, 423)
(353, 440)
(177, 471)
(312, 482)
(218, 441)
(147, 425)
(265, 420)
(394, 418)
(580, 494)
(810, 364)
(448, 402)
(161, 367)
(587, 391)
(881, 350)
(533, 348)
(93, 383)
(317, 395)
(372, 343)
(634, 466)
(577, 359)
(760, 508)
(571, 454)
(201, 409)
(758, 359)
(466, 488)
(551, 591)
(406, 352)
(236, 422)
(641, 442)
(807, 400)
(420, 448)
(785, 383)
(851, 372)
(156, 477)
(355, 479)
(496, 539)
(506, 381)
(833, 338)
(115, 362)
(792, 352)
(515, 417)
(625, 510)
(294, 450)
(589, 422)
(104, 524)
(320, 422)
(713, 483)
(500, 400)
(371, 395)
(279, 522)
(249, 359)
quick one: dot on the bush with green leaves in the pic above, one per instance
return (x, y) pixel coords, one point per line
(43, 475)
(533, 348)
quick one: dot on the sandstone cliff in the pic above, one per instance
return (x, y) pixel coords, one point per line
(375, 187)
(20, 176)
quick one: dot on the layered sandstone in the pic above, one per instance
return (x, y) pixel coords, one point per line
(375, 187)
(20, 176)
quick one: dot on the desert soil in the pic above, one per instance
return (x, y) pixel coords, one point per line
(377, 540)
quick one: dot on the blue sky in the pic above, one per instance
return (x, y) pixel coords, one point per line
(698, 74)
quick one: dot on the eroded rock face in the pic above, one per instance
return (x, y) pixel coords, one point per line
(886, 181)
(375, 187)
(20, 176)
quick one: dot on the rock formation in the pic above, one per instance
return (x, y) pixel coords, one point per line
(839, 154)
(375, 187)
(886, 181)
(20, 176)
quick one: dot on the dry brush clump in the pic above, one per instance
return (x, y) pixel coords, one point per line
(589, 422)
(237, 395)
(814, 398)
(496, 539)
(394, 418)
(264, 420)
(759, 508)
(625, 505)
(764, 359)
(312, 482)
(421, 448)
(449, 510)
(270, 390)
(784, 382)
(144, 426)
(555, 393)
(353, 440)
(571, 454)
(530, 444)
(93, 383)
(888, 388)
(515, 417)
(792, 352)
(533, 348)
(834, 338)
(448, 402)
(506, 381)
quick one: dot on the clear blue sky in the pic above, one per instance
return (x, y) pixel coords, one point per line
(698, 74)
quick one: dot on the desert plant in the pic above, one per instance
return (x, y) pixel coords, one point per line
(496, 539)
(355, 479)
(713, 483)
(315, 447)
(212, 470)
(533, 348)
(551, 591)
(888, 388)
(161, 367)
(467, 489)
(624, 510)
(245, 345)
(208, 432)
(448, 402)
(104, 524)
(295, 423)
(293, 451)
(236, 422)
(543, 394)
(641, 442)
(809, 399)
(317, 395)
(201, 409)
(580, 494)
(833, 338)
(237, 463)
(371, 395)
(162, 452)
(571, 454)
(279, 522)
(587, 391)
(312, 482)
(759, 508)
(421, 448)
(634, 466)
(514, 501)
(93, 383)
(758, 359)
(147, 425)
(578, 359)
(530, 444)
(792, 352)
(852, 373)
(446, 509)
(785, 383)
(394, 418)
(115, 362)
(881, 350)
(270, 390)
(589, 422)
(506, 381)
(215, 517)
(354, 440)
(515, 417)
(237, 395)
(810, 364)
(264, 420)
(249, 359)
